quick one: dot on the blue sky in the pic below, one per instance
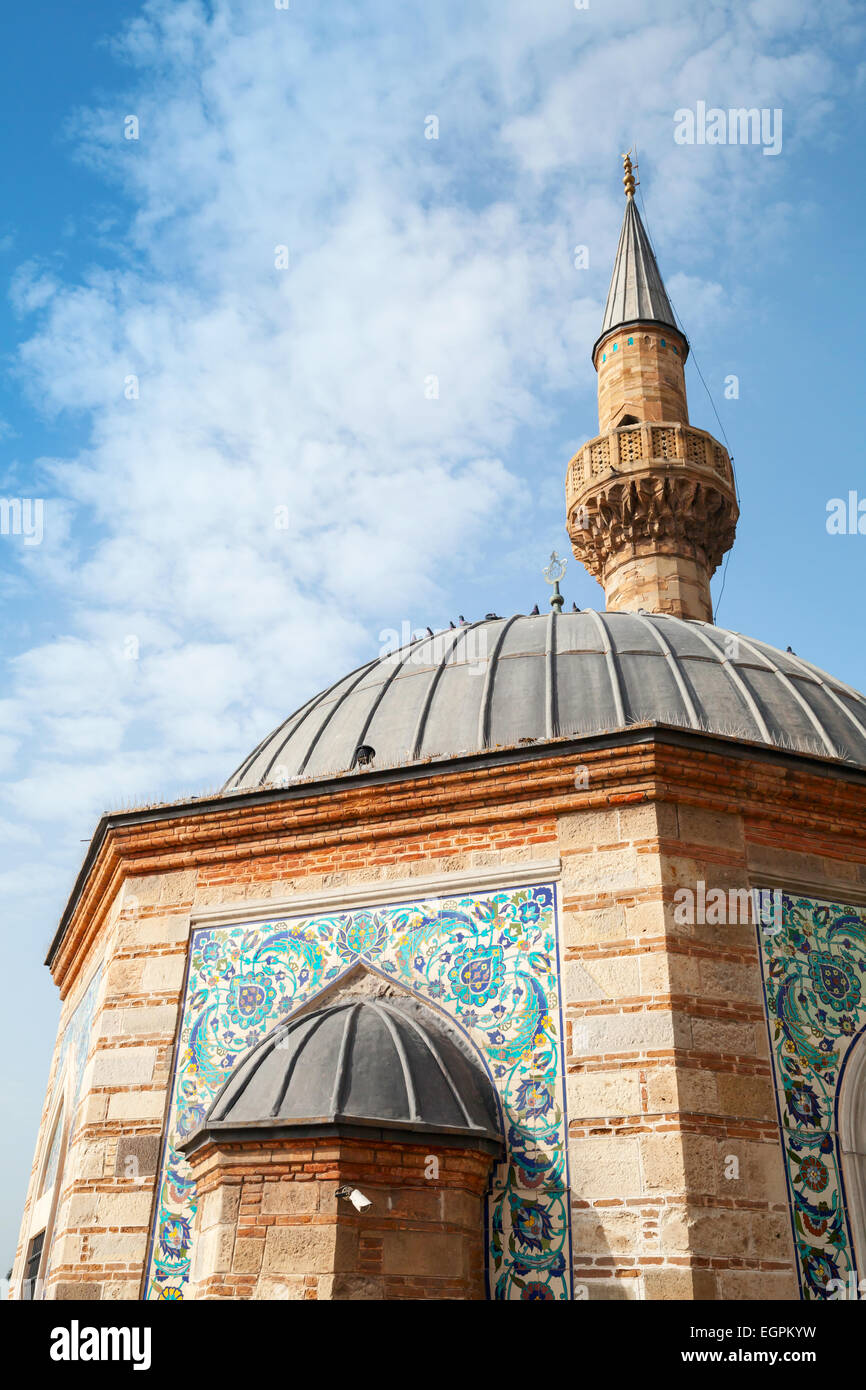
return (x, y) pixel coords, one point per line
(303, 387)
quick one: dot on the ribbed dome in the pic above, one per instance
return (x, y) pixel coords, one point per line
(504, 681)
(361, 1062)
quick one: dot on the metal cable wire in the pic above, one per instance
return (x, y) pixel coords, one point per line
(694, 358)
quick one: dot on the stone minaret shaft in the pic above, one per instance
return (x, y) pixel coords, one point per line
(651, 502)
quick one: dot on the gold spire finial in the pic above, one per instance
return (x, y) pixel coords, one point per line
(629, 179)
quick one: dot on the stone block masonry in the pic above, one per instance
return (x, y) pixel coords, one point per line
(676, 1170)
(271, 1226)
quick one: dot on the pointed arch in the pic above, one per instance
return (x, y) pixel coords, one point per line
(851, 1119)
(361, 966)
(46, 1193)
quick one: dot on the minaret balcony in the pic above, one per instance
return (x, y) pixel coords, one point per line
(647, 447)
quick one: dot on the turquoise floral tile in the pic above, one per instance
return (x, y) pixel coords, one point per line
(814, 963)
(490, 963)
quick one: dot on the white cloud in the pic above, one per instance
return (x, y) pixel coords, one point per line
(166, 623)
(309, 389)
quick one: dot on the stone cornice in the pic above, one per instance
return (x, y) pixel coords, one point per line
(656, 512)
(639, 764)
(383, 891)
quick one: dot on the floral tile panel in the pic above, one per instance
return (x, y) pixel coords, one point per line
(490, 962)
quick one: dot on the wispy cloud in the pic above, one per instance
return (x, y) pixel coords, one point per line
(281, 461)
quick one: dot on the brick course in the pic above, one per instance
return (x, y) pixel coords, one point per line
(270, 1224)
(667, 1062)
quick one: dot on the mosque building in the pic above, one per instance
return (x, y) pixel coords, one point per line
(524, 962)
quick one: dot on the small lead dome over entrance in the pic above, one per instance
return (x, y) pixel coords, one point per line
(363, 1062)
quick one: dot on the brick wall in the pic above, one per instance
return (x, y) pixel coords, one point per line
(270, 1225)
(668, 1070)
(676, 1166)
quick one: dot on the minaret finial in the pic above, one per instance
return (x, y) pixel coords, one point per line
(629, 179)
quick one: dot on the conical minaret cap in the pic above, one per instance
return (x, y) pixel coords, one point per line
(637, 293)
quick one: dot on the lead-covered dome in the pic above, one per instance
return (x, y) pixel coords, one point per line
(505, 681)
(360, 1063)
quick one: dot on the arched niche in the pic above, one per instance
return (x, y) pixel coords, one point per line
(46, 1194)
(852, 1145)
(347, 1156)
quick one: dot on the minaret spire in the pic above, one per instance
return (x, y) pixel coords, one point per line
(651, 501)
(637, 293)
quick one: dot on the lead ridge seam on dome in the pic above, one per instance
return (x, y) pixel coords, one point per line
(610, 663)
(486, 702)
(551, 704)
(679, 678)
(737, 681)
(427, 1042)
(341, 1078)
(335, 705)
(421, 724)
(411, 1096)
(811, 673)
(801, 699)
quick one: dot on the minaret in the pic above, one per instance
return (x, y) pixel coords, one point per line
(651, 502)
